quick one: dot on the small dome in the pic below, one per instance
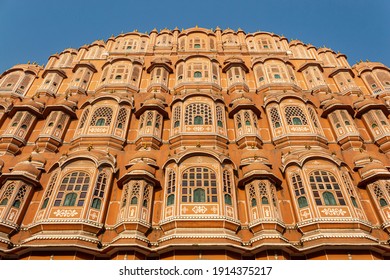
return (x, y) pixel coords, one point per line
(141, 167)
(256, 167)
(26, 167)
(373, 169)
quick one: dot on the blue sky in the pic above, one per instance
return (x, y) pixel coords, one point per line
(33, 30)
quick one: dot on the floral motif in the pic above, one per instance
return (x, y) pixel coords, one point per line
(333, 212)
(199, 209)
(65, 213)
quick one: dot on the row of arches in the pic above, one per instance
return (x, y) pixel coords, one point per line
(288, 116)
(194, 185)
(127, 73)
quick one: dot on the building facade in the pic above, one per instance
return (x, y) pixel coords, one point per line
(195, 144)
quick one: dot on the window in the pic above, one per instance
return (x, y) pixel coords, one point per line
(98, 192)
(170, 199)
(275, 118)
(379, 195)
(49, 190)
(350, 188)
(228, 199)
(146, 195)
(296, 121)
(7, 194)
(102, 117)
(199, 195)
(198, 113)
(299, 190)
(329, 198)
(73, 186)
(134, 200)
(199, 185)
(197, 74)
(121, 120)
(198, 120)
(83, 118)
(295, 115)
(70, 199)
(219, 116)
(176, 116)
(100, 122)
(302, 202)
(20, 196)
(227, 187)
(247, 118)
(325, 188)
(238, 121)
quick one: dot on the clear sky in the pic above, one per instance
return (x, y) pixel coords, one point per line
(34, 30)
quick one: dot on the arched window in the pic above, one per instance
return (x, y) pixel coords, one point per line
(247, 118)
(198, 120)
(100, 122)
(380, 195)
(74, 185)
(299, 190)
(4, 201)
(302, 202)
(98, 192)
(170, 199)
(134, 200)
(354, 202)
(49, 190)
(197, 74)
(16, 203)
(196, 110)
(238, 121)
(121, 120)
(20, 196)
(199, 195)
(102, 114)
(295, 115)
(382, 202)
(275, 117)
(96, 203)
(171, 187)
(227, 187)
(219, 116)
(253, 202)
(7, 194)
(145, 196)
(199, 184)
(149, 118)
(228, 199)
(296, 121)
(176, 116)
(329, 198)
(135, 189)
(83, 118)
(70, 199)
(325, 188)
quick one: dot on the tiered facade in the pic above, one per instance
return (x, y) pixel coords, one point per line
(195, 144)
